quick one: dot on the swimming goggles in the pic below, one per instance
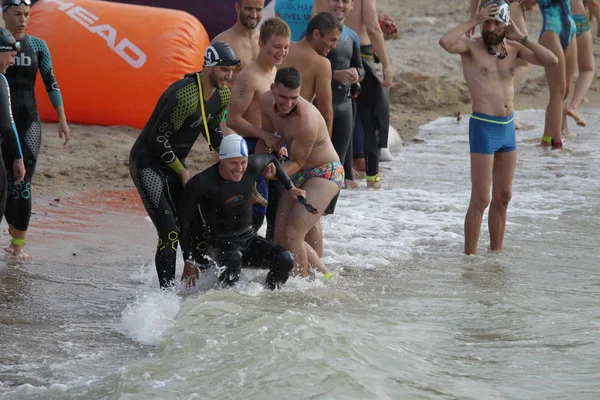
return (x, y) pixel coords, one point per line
(8, 3)
(306, 205)
(16, 46)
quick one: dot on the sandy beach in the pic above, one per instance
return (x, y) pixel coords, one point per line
(428, 84)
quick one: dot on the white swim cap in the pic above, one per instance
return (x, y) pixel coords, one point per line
(233, 146)
(503, 14)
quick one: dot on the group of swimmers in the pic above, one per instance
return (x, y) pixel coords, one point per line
(21, 57)
(283, 116)
(279, 115)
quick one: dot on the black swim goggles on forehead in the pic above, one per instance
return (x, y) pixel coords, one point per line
(8, 3)
(16, 46)
(306, 205)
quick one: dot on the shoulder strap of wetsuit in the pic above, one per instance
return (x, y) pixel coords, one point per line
(203, 112)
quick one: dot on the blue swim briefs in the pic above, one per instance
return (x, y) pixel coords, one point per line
(489, 134)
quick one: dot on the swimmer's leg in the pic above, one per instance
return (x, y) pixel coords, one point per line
(160, 193)
(19, 201)
(319, 193)
(314, 238)
(586, 66)
(342, 134)
(262, 252)
(481, 181)
(557, 84)
(502, 175)
(314, 260)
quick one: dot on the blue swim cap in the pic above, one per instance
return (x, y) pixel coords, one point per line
(233, 146)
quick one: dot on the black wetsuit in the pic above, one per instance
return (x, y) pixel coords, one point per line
(159, 153)
(226, 211)
(346, 55)
(33, 55)
(373, 106)
(10, 138)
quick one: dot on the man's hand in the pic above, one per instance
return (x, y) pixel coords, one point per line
(513, 32)
(19, 170)
(346, 75)
(269, 172)
(64, 132)
(486, 13)
(185, 176)
(273, 143)
(388, 77)
(190, 274)
(297, 192)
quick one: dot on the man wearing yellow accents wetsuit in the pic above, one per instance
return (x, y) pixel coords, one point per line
(489, 66)
(157, 159)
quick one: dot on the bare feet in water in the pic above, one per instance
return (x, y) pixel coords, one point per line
(571, 112)
(18, 252)
(350, 184)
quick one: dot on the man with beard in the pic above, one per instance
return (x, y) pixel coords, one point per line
(314, 165)
(489, 65)
(194, 104)
(243, 36)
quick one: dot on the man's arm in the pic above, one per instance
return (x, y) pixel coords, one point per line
(536, 54)
(187, 211)
(323, 94)
(376, 37)
(304, 135)
(454, 42)
(241, 98)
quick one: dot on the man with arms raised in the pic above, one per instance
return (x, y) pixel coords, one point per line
(313, 166)
(243, 36)
(489, 65)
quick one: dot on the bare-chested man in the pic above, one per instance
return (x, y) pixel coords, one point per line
(313, 166)
(254, 80)
(243, 36)
(489, 65)
(308, 57)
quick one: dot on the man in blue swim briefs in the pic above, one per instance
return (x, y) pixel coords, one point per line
(489, 65)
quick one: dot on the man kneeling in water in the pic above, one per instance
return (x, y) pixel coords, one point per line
(223, 195)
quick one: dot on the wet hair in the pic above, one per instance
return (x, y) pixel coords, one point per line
(274, 26)
(324, 22)
(289, 77)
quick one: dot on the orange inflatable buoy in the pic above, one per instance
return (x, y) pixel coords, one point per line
(112, 61)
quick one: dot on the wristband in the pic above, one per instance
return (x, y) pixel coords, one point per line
(524, 39)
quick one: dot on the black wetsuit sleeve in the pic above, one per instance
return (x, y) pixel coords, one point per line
(356, 61)
(162, 130)
(8, 129)
(189, 205)
(261, 161)
(216, 133)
